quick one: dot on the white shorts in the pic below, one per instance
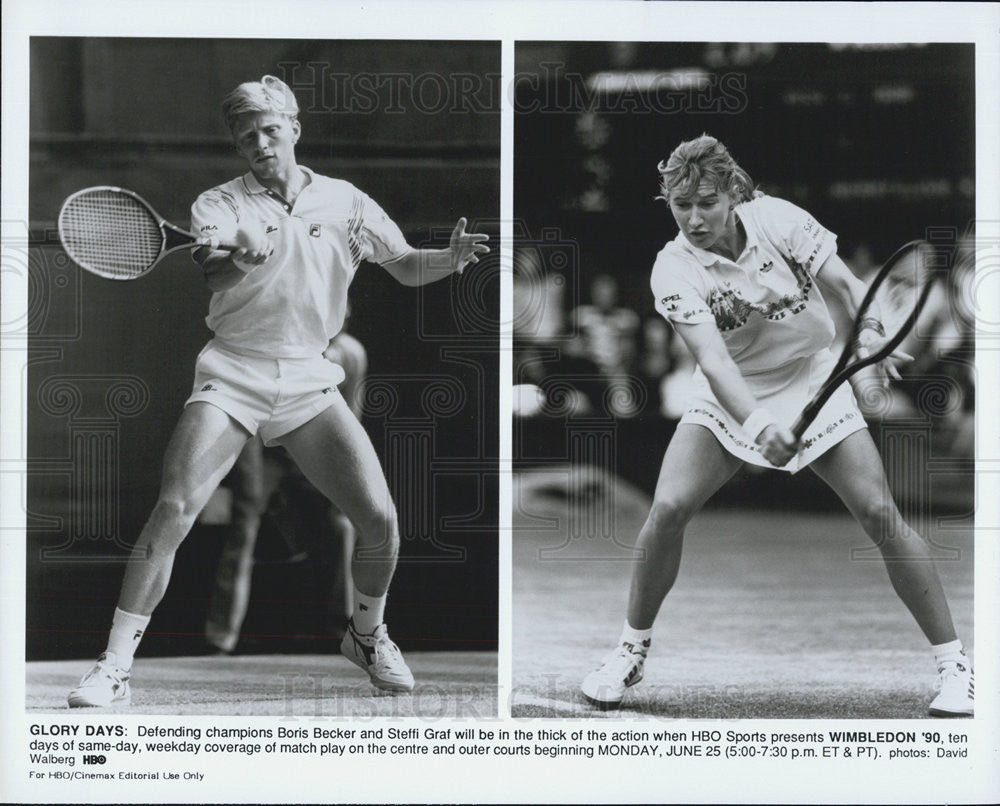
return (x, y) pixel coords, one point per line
(272, 395)
(784, 392)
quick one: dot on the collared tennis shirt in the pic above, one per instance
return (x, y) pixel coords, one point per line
(766, 304)
(292, 305)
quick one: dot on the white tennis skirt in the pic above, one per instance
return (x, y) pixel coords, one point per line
(784, 391)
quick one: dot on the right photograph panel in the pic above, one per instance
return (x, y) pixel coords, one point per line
(744, 382)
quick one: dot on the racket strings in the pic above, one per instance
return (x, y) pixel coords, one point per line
(111, 233)
(900, 291)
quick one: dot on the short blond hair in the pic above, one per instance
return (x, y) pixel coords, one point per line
(270, 94)
(699, 160)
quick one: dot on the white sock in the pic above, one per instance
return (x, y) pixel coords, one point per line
(640, 639)
(368, 612)
(126, 632)
(950, 652)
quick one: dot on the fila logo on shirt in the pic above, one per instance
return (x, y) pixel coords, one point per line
(315, 230)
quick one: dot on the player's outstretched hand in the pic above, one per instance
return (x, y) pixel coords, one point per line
(255, 246)
(778, 445)
(466, 247)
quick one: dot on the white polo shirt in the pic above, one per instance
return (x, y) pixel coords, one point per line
(766, 304)
(292, 305)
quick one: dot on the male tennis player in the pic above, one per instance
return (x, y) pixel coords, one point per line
(743, 285)
(277, 302)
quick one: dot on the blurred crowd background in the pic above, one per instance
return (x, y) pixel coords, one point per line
(416, 126)
(876, 141)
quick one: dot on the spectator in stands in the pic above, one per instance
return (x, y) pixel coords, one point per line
(606, 338)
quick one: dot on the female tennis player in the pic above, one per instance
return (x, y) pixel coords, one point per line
(743, 283)
(277, 302)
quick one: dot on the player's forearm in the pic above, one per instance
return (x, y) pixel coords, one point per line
(838, 280)
(776, 442)
(728, 385)
(724, 377)
(422, 266)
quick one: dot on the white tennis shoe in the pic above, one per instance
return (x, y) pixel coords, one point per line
(105, 684)
(379, 656)
(605, 687)
(956, 687)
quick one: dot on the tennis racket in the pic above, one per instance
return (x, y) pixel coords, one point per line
(894, 300)
(116, 234)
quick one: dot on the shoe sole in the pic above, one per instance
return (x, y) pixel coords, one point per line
(603, 705)
(608, 705)
(76, 703)
(395, 688)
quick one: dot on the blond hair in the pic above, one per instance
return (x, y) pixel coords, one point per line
(270, 94)
(699, 160)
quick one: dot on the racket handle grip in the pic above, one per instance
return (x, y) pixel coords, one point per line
(801, 424)
(215, 243)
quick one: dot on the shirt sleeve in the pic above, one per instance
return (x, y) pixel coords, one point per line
(680, 295)
(214, 214)
(799, 236)
(381, 240)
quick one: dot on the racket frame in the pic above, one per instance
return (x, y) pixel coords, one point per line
(173, 238)
(844, 368)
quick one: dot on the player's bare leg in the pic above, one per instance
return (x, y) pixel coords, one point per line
(334, 452)
(201, 451)
(853, 468)
(230, 597)
(694, 467)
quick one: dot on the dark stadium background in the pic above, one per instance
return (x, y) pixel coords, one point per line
(110, 364)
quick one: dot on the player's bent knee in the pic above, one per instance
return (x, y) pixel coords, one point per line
(380, 527)
(174, 517)
(668, 518)
(880, 519)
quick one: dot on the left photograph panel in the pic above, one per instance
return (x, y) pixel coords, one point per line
(262, 402)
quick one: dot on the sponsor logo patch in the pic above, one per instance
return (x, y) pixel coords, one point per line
(315, 230)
